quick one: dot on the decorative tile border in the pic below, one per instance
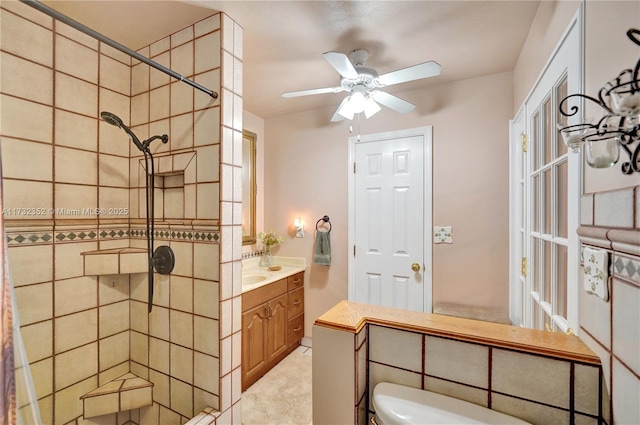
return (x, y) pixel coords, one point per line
(627, 268)
(29, 238)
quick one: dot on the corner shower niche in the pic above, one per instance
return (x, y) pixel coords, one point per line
(174, 183)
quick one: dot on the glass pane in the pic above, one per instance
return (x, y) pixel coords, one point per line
(536, 316)
(534, 203)
(548, 268)
(548, 324)
(561, 93)
(533, 145)
(547, 131)
(523, 207)
(562, 202)
(547, 218)
(561, 281)
(534, 263)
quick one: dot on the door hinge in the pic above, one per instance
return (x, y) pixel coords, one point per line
(524, 142)
(354, 250)
(354, 168)
(524, 266)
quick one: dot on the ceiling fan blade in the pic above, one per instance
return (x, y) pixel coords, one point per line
(416, 72)
(393, 102)
(312, 91)
(336, 116)
(341, 63)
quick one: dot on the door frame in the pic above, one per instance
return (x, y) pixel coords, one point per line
(427, 136)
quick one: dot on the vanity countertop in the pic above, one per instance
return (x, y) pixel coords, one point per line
(251, 270)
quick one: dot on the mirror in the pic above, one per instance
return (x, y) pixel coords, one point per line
(248, 187)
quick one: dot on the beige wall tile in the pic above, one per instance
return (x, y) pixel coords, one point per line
(26, 160)
(68, 258)
(586, 382)
(626, 317)
(206, 298)
(115, 75)
(75, 201)
(159, 355)
(626, 393)
(210, 80)
(161, 391)
(76, 35)
(26, 120)
(18, 76)
(457, 361)
(76, 59)
(114, 171)
(205, 335)
(595, 316)
(206, 156)
(380, 373)
(25, 39)
(24, 270)
(181, 37)
(207, 207)
(184, 258)
(114, 350)
(227, 108)
(159, 323)
(614, 208)
(174, 203)
(76, 131)
(139, 316)
(113, 288)
(42, 374)
(182, 56)
(206, 128)
(206, 261)
(114, 318)
(67, 402)
(203, 399)
(114, 202)
(395, 348)
(237, 76)
(140, 109)
(76, 166)
(182, 398)
(158, 128)
(227, 71)
(139, 348)
(204, 60)
(181, 98)
(101, 405)
(38, 340)
(76, 95)
(182, 131)
(159, 103)
(136, 398)
(158, 78)
(75, 294)
(181, 290)
(181, 363)
(462, 392)
(139, 78)
(227, 33)
(207, 25)
(536, 414)
(181, 325)
(206, 373)
(161, 289)
(116, 54)
(139, 288)
(531, 377)
(35, 302)
(75, 330)
(76, 365)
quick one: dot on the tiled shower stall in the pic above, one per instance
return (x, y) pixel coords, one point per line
(72, 184)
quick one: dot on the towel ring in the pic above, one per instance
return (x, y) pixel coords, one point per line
(326, 220)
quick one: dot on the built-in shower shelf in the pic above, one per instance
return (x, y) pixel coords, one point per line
(115, 261)
(124, 393)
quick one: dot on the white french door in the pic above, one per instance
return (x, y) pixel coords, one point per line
(545, 190)
(390, 219)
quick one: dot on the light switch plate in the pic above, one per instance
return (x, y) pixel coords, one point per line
(442, 234)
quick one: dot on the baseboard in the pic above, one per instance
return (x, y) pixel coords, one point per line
(306, 341)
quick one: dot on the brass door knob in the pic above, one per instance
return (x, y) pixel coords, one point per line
(415, 267)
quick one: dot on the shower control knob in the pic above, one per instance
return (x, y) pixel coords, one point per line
(415, 267)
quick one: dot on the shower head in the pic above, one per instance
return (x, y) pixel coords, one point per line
(113, 119)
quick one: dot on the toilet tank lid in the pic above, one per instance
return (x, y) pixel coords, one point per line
(399, 404)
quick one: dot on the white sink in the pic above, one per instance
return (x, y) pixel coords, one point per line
(250, 278)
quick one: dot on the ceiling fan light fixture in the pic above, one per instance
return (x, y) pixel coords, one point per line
(346, 110)
(371, 108)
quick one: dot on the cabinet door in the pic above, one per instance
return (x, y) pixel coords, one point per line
(254, 348)
(277, 327)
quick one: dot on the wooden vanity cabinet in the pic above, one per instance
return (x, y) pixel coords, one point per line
(272, 325)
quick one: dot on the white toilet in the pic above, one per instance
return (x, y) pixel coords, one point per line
(397, 404)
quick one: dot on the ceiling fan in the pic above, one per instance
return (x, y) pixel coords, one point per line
(364, 83)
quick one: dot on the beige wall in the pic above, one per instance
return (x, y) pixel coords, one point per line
(306, 175)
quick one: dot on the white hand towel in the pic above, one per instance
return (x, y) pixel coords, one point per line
(596, 271)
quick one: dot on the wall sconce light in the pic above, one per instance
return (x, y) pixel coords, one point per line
(299, 225)
(619, 127)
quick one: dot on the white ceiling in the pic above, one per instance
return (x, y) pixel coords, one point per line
(284, 40)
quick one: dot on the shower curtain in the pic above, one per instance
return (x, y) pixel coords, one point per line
(15, 376)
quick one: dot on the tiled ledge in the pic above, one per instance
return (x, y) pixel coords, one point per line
(115, 261)
(351, 317)
(621, 240)
(124, 393)
(206, 417)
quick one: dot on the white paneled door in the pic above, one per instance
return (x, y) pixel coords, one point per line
(391, 220)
